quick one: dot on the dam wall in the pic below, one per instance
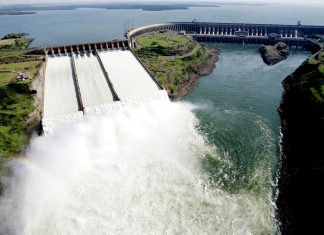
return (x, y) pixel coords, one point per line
(87, 47)
(293, 35)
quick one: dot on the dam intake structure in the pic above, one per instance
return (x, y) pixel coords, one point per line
(90, 78)
(296, 36)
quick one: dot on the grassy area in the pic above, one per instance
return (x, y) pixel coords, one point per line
(15, 41)
(171, 58)
(7, 42)
(6, 77)
(18, 43)
(16, 100)
(31, 66)
(15, 55)
(170, 44)
(311, 78)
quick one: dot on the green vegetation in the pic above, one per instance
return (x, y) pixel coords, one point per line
(14, 35)
(171, 58)
(15, 41)
(16, 99)
(19, 55)
(6, 77)
(310, 81)
(15, 104)
(12, 69)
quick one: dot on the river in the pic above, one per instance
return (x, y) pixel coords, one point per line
(205, 165)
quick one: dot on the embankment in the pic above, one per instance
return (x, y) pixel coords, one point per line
(33, 123)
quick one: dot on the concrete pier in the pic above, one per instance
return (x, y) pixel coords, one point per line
(86, 48)
(111, 86)
(76, 84)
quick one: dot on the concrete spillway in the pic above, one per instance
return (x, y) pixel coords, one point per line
(129, 77)
(60, 97)
(93, 84)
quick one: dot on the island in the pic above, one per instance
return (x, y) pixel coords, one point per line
(175, 60)
(16, 13)
(274, 54)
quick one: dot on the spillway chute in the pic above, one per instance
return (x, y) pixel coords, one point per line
(94, 81)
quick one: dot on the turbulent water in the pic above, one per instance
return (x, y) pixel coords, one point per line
(204, 166)
(136, 170)
(150, 166)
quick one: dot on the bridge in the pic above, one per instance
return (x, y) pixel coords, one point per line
(292, 35)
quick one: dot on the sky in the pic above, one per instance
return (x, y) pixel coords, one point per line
(294, 2)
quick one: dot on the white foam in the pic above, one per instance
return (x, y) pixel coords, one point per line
(134, 170)
(52, 123)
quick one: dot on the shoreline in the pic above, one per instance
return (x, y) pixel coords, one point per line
(203, 69)
(175, 61)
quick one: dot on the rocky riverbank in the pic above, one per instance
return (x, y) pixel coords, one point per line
(300, 200)
(201, 69)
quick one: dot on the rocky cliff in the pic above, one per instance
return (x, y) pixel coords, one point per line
(300, 201)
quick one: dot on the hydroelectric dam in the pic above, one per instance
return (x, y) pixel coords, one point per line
(216, 32)
(90, 77)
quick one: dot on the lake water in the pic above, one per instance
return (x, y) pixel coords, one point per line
(89, 25)
(236, 105)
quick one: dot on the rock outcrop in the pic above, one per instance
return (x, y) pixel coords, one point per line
(33, 122)
(300, 201)
(274, 54)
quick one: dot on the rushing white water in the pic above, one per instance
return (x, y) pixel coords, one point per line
(92, 82)
(132, 170)
(127, 75)
(130, 79)
(59, 96)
